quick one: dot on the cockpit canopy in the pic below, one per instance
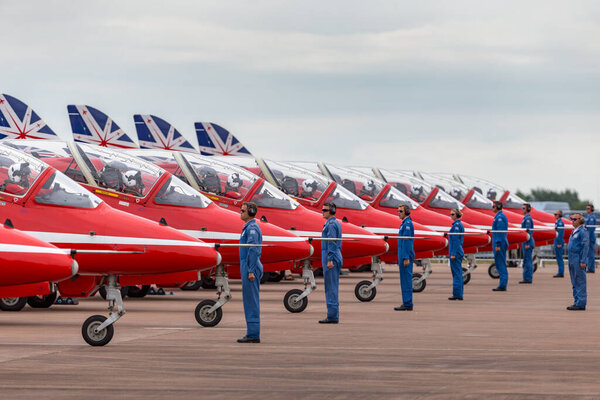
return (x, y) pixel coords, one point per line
(458, 191)
(490, 190)
(305, 184)
(19, 171)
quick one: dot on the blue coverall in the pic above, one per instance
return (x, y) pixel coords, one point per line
(560, 241)
(499, 239)
(528, 252)
(455, 248)
(578, 252)
(406, 252)
(591, 261)
(332, 251)
(250, 262)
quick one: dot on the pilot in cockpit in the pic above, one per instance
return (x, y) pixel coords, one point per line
(309, 187)
(209, 180)
(491, 194)
(367, 192)
(18, 174)
(234, 183)
(132, 181)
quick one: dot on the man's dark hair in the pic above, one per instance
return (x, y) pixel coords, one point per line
(252, 208)
(332, 207)
(498, 204)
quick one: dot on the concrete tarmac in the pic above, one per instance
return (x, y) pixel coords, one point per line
(519, 344)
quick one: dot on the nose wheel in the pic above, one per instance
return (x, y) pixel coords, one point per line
(493, 272)
(98, 330)
(366, 290)
(208, 313)
(296, 300)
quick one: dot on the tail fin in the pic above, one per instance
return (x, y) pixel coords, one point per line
(90, 125)
(19, 121)
(214, 140)
(156, 133)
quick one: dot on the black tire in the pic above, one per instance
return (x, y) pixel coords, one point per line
(124, 291)
(276, 276)
(192, 285)
(362, 292)
(466, 275)
(96, 339)
(208, 282)
(493, 272)
(291, 304)
(318, 272)
(138, 292)
(512, 264)
(420, 286)
(265, 278)
(44, 301)
(13, 303)
(535, 266)
(208, 319)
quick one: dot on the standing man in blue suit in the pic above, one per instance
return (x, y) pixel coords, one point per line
(500, 245)
(559, 244)
(331, 259)
(590, 221)
(578, 252)
(528, 246)
(406, 257)
(251, 271)
(455, 250)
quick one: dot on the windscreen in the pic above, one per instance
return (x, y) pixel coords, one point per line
(269, 196)
(174, 192)
(486, 188)
(18, 171)
(393, 198)
(361, 185)
(59, 190)
(297, 181)
(119, 171)
(513, 201)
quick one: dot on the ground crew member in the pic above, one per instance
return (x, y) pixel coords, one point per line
(332, 261)
(455, 250)
(500, 245)
(528, 246)
(559, 244)
(578, 252)
(406, 256)
(591, 220)
(251, 271)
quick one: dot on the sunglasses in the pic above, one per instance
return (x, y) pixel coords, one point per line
(453, 214)
(243, 211)
(557, 215)
(325, 210)
(574, 219)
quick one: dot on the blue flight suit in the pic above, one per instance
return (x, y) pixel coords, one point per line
(591, 261)
(500, 239)
(332, 251)
(528, 252)
(250, 262)
(406, 251)
(578, 252)
(560, 241)
(455, 248)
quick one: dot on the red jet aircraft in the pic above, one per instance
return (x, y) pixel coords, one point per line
(136, 186)
(109, 243)
(230, 185)
(29, 267)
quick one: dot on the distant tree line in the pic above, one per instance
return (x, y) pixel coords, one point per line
(567, 195)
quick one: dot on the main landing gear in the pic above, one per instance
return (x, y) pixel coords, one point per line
(296, 300)
(208, 312)
(419, 280)
(472, 264)
(366, 290)
(98, 330)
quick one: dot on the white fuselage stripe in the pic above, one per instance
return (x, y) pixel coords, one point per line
(208, 235)
(23, 248)
(60, 237)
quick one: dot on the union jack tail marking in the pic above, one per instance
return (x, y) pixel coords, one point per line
(19, 121)
(214, 140)
(156, 133)
(90, 125)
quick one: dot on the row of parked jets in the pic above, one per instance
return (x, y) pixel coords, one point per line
(102, 213)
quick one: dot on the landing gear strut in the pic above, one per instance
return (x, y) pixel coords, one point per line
(418, 280)
(98, 330)
(208, 312)
(366, 290)
(296, 300)
(471, 265)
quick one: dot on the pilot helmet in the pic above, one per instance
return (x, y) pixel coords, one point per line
(369, 186)
(455, 193)
(309, 185)
(18, 172)
(131, 178)
(234, 180)
(417, 189)
(491, 194)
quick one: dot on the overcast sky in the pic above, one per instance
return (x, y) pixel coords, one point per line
(505, 90)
